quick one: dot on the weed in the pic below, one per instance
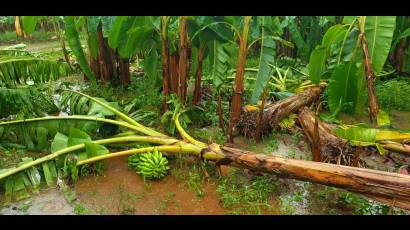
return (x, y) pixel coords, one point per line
(242, 196)
(298, 196)
(286, 205)
(80, 209)
(272, 145)
(24, 207)
(195, 182)
(297, 137)
(165, 202)
(363, 206)
(220, 137)
(126, 201)
(292, 154)
(252, 144)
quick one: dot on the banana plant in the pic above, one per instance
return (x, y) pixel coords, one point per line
(347, 50)
(69, 139)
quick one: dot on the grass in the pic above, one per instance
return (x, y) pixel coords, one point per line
(393, 94)
(286, 206)
(11, 36)
(127, 200)
(81, 209)
(163, 205)
(190, 173)
(240, 195)
(252, 144)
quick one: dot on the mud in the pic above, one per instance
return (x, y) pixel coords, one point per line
(122, 191)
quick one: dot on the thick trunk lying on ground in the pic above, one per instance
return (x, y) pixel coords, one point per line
(386, 187)
(275, 112)
(333, 149)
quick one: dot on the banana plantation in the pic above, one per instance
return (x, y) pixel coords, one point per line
(205, 115)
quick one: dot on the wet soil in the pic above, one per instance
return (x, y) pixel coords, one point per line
(122, 191)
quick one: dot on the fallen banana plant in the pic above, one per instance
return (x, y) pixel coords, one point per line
(382, 186)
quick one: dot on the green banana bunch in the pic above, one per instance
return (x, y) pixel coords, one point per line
(152, 165)
(133, 161)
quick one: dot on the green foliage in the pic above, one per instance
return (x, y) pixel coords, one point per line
(20, 70)
(150, 64)
(363, 206)
(76, 104)
(220, 137)
(152, 165)
(29, 23)
(272, 144)
(320, 55)
(317, 63)
(297, 36)
(8, 36)
(219, 58)
(75, 45)
(195, 180)
(242, 196)
(345, 87)
(266, 57)
(393, 94)
(168, 117)
(379, 33)
(80, 209)
(26, 101)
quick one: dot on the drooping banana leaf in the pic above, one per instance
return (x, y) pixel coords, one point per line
(29, 23)
(379, 34)
(150, 63)
(297, 37)
(75, 45)
(266, 57)
(317, 63)
(345, 85)
(219, 59)
(20, 70)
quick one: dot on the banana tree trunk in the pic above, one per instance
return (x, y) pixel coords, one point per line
(237, 97)
(371, 91)
(58, 31)
(275, 112)
(334, 149)
(197, 90)
(260, 117)
(183, 58)
(220, 113)
(400, 55)
(17, 25)
(390, 188)
(124, 71)
(165, 61)
(104, 57)
(174, 73)
(331, 148)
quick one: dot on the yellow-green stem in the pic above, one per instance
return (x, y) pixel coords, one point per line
(164, 148)
(79, 117)
(157, 140)
(185, 135)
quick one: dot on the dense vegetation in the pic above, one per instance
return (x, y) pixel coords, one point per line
(131, 85)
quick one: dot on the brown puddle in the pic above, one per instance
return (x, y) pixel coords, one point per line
(122, 191)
